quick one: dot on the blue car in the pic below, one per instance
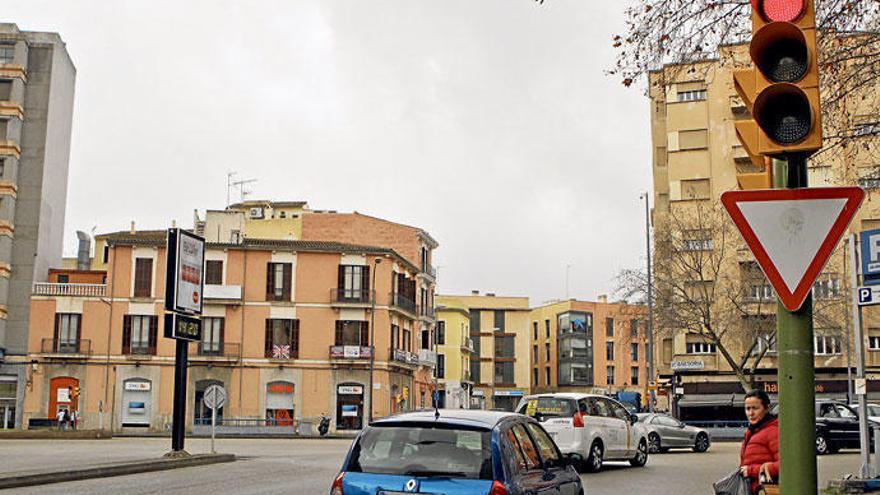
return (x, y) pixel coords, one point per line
(456, 452)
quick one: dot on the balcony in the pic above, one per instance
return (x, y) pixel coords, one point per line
(467, 345)
(78, 290)
(66, 347)
(211, 351)
(11, 109)
(426, 313)
(403, 357)
(223, 294)
(403, 304)
(351, 297)
(428, 271)
(139, 352)
(427, 357)
(350, 352)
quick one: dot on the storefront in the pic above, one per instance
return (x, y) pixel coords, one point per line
(201, 412)
(63, 395)
(137, 403)
(8, 392)
(507, 400)
(279, 404)
(478, 399)
(349, 406)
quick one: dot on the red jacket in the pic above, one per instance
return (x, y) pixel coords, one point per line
(761, 445)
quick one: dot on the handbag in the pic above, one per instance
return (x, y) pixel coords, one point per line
(733, 484)
(768, 484)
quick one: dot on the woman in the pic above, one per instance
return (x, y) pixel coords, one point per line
(760, 448)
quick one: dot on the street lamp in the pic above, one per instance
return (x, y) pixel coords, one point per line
(650, 326)
(376, 262)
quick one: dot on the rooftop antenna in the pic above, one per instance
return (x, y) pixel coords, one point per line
(242, 190)
(229, 176)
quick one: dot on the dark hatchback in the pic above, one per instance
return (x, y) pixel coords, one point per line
(461, 452)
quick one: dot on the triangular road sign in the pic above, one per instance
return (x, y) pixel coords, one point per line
(792, 232)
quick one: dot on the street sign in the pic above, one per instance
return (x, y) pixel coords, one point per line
(869, 296)
(215, 397)
(182, 327)
(871, 256)
(861, 386)
(184, 273)
(792, 232)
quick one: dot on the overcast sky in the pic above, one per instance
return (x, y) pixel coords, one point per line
(489, 123)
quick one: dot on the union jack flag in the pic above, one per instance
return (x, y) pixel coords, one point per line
(281, 351)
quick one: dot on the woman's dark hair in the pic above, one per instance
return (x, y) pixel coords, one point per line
(761, 395)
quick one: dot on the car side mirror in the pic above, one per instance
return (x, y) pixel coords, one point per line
(633, 419)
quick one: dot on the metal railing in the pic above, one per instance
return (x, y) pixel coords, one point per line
(429, 270)
(139, 350)
(426, 311)
(56, 346)
(351, 296)
(219, 349)
(402, 356)
(350, 352)
(53, 289)
(404, 303)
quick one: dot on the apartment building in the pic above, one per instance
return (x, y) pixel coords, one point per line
(455, 349)
(37, 79)
(593, 347)
(289, 328)
(696, 157)
(499, 363)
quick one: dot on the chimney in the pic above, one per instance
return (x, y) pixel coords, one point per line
(603, 299)
(83, 254)
(132, 231)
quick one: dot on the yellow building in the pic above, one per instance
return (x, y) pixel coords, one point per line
(455, 348)
(499, 365)
(696, 155)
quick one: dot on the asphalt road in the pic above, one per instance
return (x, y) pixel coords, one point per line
(306, 467)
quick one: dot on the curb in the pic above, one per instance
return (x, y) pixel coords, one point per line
(55, 435)
(109, 470)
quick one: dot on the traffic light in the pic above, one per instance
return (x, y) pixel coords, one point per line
(782, 90)
(75, 391)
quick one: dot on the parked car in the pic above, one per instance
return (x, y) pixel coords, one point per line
(837, 426)
(459, 452)
(873, 411)
(666, 432)
(591, 429)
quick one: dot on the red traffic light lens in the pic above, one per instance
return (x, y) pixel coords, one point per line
(782, 10)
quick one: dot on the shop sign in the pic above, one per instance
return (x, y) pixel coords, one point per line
(63, 395)
(773, 388)
(138, 386)
(185, 259)
(688, 365)
(350, 390)
(477, 393)
(280, 388)
(509, 393)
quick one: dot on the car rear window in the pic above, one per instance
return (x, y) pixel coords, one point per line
(548, 407)
(423, 450)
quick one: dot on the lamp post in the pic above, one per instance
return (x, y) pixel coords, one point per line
(650, 326)
(376, 262)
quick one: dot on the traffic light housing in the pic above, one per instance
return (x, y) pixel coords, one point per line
(782, 90)
(75, 391)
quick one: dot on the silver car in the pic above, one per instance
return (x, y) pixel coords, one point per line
(666, 432)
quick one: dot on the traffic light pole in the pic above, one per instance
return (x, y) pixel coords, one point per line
(796, 376)
(178, 417)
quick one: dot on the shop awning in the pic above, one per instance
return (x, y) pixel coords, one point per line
(706, 400)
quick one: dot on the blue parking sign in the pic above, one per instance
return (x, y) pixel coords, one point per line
(870, 244)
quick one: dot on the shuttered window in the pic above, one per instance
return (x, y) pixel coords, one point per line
(214, 272)
(143, 277)
(282, 339)
(278, 281)
(139, 334)
(354, 333)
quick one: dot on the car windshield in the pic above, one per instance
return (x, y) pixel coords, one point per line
(420, 450)
(547, 407)
(873, 410)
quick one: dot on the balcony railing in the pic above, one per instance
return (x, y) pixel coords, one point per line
(139, 351)
(56, 346)
(429, 270)
(467, 344)
(350, 352)
(426, 311)
(351, 296)
(427, 357)
(86, 290)
(219, 350)
(402, 356)
(404, 303)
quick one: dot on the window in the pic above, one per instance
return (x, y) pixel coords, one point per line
(826, 345)
(609, 327)
(829, 288)
(63, 278)
(766, 343)
(545, 445)
(634, 376)
(869, 177)
(609, 351)
(609, 373)
(395, 336)
(139, 334)
(67, 332)
(423, 257)
(282, 339)
(282, 214)
(5, 90)
(106, 256)
(547, 352)
(7, 54)
(278, 281)
(426, 339)
(874, 343)
(634, 352)
(535, 356)
(505, 347)
(356, 333)
(212, 337)
(761, 292)
(499, 320)
(700, 348)
(143, 277)
(696, 240)
(535, 329)
(214, 272)
(867, 127)
(407, 340)
(475, 321)
(695, 189)
(504, 373)
(441, 333)
(535, 376)
(634, 328)
(441, 366)
(525, 454)
(547, 375)
(695, 95)
(547, 328)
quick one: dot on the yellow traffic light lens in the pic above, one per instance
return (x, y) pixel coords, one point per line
(779, 50)
(783, 113)
(782, 10)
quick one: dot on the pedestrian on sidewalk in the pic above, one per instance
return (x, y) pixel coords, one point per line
(759, 454)
(74, 419)
(59, 419)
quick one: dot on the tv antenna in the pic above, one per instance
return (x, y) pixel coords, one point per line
(240, 184)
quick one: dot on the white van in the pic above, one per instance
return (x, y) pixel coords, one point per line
(589, 428)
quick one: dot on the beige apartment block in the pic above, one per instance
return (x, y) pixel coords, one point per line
(696, 154)
(289, 329)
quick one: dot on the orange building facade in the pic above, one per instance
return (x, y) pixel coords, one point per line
(288, 329)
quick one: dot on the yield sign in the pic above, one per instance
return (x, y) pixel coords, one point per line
(792, 232)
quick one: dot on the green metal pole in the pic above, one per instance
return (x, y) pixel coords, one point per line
(796, 376)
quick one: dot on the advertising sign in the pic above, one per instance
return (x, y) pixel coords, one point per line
(688, 365)
(185, 265)
(350, 390)
(183, 327)
(870, 242)
(137, 386)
